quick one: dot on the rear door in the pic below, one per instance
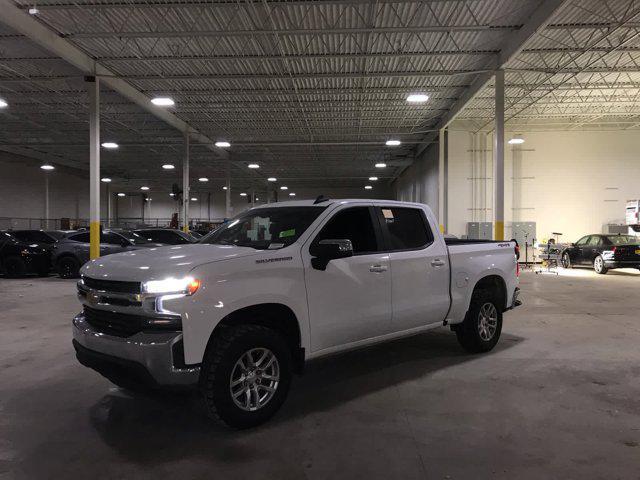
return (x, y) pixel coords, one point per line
(350, 300)
(592, 249)
(419, 268)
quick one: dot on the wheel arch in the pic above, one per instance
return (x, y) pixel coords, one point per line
(278, 317)
(493, 283)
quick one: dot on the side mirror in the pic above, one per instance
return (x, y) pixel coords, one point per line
(326, 250)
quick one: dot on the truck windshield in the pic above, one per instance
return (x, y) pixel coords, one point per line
(265, 228)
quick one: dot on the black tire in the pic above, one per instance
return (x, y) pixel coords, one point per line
(68, 267)
(566, 260)
(471, 334)
(14, 266)
(220, 361)
(598, 265)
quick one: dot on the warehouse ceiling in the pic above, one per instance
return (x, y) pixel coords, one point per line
(310, 90)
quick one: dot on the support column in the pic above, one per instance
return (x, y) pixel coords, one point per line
(228, 192)
(498, 156)
(93, 84)
(46, 200)
(108, 206)
(443, 180)
(185, 185)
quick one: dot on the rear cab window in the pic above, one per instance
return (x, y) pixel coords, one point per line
(405, 228)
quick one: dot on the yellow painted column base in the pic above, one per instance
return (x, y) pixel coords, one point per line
(94, 239)
(185, 229)
(499, 231)
(441, 228)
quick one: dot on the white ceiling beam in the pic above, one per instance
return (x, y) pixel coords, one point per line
(511, 47)
(12, 16)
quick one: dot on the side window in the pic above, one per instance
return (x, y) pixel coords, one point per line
(583, 240)
(151, 235)
(111, 239)
(354, 224)
(594, 241)
(407, 228)
(80, 237)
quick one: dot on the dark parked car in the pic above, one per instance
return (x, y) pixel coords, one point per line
(603, 252)
(25, 251)
(168, 236)
(71, 252)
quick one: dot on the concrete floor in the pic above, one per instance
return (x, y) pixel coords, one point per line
(558, 398)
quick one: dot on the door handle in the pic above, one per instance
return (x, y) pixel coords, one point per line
(437, 263)
(378, 268)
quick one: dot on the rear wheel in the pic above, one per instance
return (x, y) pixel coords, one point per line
(14, 266)
(482, 325)
(598, 265)
(68, 267)
(245, 375)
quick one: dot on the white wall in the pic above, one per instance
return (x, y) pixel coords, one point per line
(570, 182)
(419, 182)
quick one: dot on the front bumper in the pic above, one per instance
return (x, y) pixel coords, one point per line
(154, 359)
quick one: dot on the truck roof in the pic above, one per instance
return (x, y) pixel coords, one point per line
(331, 201)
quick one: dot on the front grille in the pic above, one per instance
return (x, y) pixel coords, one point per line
(112, 285)
(114, 323)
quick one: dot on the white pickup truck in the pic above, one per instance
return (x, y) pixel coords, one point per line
(281, 284)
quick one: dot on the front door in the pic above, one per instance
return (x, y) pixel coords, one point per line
(351, 299)
(419, 268)
(579, 251)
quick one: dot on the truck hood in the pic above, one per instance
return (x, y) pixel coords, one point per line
(160, 263)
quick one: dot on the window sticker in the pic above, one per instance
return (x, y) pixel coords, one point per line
(388, 214)
(287, 233)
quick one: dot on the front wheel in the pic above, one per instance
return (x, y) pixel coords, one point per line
(14, 266)
(482, 326)
(68, 267)
(598, 265)
(566, 260)
(245, 375)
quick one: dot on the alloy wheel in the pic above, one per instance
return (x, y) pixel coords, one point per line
(254, 379)
(487, 321)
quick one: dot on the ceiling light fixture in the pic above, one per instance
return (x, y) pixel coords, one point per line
(253, 165)
(168, 166)
(194, 199)
(105, 180)
(272, 179)
(3, 103)
(223, 144)
(203, 179)
(284, 187)
(243, 194)
(172, 194)
(224, 188)
(417, 98)
(373, 179)
(110, 145)
(292, 194)
(122, 194)
(393, 143)
(517, 140)
(33, 10)
(47, 167)
(163, 102)
(381, 165)
(144, 188)
(368, 187)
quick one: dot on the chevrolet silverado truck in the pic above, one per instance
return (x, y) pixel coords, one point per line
(281, 284)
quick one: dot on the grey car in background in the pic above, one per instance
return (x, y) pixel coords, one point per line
(168, 236)
(72, 251)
